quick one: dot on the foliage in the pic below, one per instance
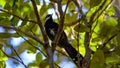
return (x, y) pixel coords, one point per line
(95, 19)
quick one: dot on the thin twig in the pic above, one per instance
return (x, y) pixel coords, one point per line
(17, 54)
(108, 40)
(79, 6)
(17, 16)
(25, 33)
(32, 45)
(13, 58)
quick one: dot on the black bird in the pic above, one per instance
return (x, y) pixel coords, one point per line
(51, 29)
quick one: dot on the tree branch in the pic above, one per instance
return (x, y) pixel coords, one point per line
(61, 23)
(86, 60)
(46, 45)
(37, 48)
(39, 22)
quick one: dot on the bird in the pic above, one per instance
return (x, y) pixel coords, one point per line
(51, 29)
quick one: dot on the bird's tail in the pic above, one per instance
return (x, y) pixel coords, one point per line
(73, 53)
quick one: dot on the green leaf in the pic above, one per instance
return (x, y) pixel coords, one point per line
(4, 21)
(81, 28)
(26, 8)
(112, 60)
(117, 50)
(2, 3)
(4, 15)
(31, 15)
(8, 6)
(24, 22)
(44, 64)
(3, 58)
(29, 27)
(14, 21)
(70, 17)
(112, 21)
(71, 6)
(94, 3)
(33, 65)
(97, 60)
(1, 46)
(39, 57)
(64, 1)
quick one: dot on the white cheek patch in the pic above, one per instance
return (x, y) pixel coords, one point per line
(47, 19)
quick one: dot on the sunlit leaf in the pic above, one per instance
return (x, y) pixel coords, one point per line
(64, 1)
(112, 21)
(2, 3)
(71, 6)
(70, 18)
(3, 58)
(39, 57)
(2, 55)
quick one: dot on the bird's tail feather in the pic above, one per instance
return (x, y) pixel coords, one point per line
(73, 53)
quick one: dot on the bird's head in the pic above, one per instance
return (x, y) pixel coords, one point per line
(48, 17)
